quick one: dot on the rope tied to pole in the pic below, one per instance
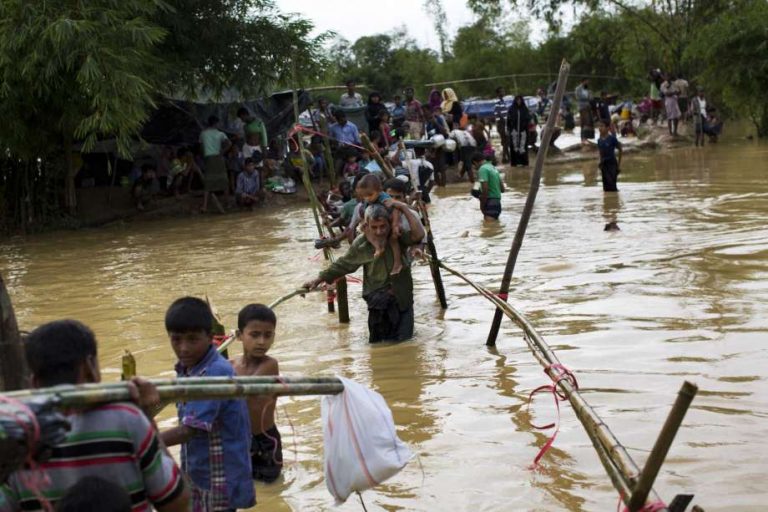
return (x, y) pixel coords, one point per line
(654, 506)
(563, 373)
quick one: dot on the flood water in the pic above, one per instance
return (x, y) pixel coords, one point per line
(681, 292)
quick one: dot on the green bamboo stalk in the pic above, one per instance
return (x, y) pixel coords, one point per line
(182, 389)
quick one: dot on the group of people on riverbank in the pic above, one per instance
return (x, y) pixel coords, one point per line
(115, 459)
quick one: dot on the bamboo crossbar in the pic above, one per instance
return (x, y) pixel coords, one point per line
(620, 467)
(170, 390)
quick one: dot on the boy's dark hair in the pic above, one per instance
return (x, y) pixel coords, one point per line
(56, 350)
(478, 157)
(94, 494)
(189, 314)
(213, 121)
(369, 182)
(148, 167)
(182, 152)
(255, 312)
(396, 185)
(242, 110)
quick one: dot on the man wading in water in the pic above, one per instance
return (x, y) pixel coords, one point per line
(389, 297)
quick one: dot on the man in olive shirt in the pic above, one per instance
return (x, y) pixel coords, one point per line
(389, 297)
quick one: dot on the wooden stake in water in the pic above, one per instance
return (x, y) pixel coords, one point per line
(13, 363)
(661, 448)
(517, 242)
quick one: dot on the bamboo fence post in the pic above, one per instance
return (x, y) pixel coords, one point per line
(308, 185)
(517, 242)
(661, 447)
(342, 297)
(14, 373)
(386, 168)
(434, 261)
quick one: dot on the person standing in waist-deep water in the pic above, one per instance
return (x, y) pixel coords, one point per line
(256, 325)
(518, 120)
(491, 187)
(608, 144)
(389, 297)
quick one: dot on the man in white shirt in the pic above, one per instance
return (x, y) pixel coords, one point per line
(351, 98)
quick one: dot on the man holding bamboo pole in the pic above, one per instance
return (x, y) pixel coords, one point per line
(389, 297)
(114, 441)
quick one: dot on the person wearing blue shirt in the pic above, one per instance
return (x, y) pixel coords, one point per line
(343, 131)
(607, 144)
(214, 435)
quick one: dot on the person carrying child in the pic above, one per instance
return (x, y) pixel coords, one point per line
(256, 330)
(214, 434)
(115, 441)
(369, 190)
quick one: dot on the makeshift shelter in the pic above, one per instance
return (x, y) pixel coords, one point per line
(179, 122)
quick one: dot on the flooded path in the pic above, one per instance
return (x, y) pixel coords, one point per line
(680, 293)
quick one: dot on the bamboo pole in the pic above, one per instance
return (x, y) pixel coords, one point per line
(386, 168)
(308, 184)
(342, 297)
(517, 242)
(661, 447)
(434, 261)
(14, 373)
(621, 468)
(183, 389)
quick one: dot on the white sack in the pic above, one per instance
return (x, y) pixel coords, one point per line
(361, 447)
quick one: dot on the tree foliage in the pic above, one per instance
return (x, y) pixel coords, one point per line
(736, 49)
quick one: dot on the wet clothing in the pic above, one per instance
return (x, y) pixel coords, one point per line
(609, 166)
(216, 460)
(491, 208)
(267, 455)
(116, 442)
(376, 278)
(487, 173)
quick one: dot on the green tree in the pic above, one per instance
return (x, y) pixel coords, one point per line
(75, 70)
(733, 56)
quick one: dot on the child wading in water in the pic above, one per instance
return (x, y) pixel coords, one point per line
(214, 434)
(256, 329)
(369, 190)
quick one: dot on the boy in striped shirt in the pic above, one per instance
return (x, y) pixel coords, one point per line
(115, 442)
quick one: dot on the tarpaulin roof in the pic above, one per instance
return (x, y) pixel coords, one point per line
(178, 122)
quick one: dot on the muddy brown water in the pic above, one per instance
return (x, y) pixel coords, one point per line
(681, 292)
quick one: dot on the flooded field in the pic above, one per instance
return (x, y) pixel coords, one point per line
(681, 292)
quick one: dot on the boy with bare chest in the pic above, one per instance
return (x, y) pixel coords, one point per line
(256, 329)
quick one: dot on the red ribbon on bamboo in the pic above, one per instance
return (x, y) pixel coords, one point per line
(563, 374)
